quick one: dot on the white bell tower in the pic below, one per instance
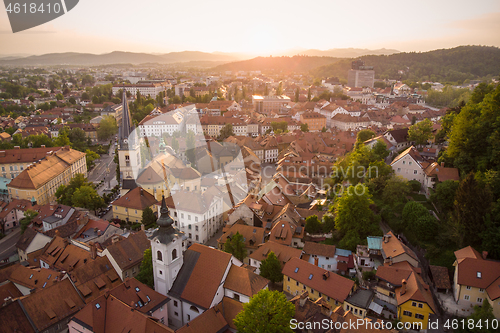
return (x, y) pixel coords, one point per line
(167, 250)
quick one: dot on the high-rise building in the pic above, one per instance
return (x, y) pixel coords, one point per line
(360, 75)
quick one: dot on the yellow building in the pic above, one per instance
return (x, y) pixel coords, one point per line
(14, 161)
(314, 121)
(129, 207)
(41, 180)
(300, 276)
(476, 279)
(415, 302)
(359, 302)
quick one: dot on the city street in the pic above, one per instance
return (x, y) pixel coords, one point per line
(104, 169)
(8, 243)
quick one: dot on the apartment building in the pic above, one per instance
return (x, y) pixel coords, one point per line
(314, 121)
(41, 180)
(14, 161)
(268, 104)
(144, 89)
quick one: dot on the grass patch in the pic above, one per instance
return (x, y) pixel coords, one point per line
(418, 197)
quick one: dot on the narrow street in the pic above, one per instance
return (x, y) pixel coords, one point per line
(8, 243)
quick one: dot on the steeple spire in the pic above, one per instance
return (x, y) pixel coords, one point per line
(126, 125)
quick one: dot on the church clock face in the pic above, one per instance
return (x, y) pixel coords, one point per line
(125, 140)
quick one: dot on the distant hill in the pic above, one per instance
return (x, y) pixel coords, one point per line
(280, 64)
(117, 57)
(343, 53)
(446, 65)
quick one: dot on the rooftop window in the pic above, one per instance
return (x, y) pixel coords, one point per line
(296, 270)
(478, 274)
(310, 277)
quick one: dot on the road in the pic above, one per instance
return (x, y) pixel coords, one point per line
(105, 169)
(8, 243)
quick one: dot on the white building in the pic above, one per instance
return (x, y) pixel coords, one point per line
(144, 89)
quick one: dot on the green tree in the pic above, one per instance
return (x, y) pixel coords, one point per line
(78, 138)
(479, 317)
(270, 268)
(472, 204)
(396, 190)
(145, 274)
(190, 148)
(418, 221)
(107, 128)
(29, 215)
(87, 197)
(59, 97)
(328, 223)
(90, 157)
(420, 132)
(226, 132)
(304, 127)
(474, 141)
(313, 225)
(148, 216)
(353, 212)
(267, 312)
(297, 95)
(365, 134)
(444, 195)
(236, 246)
(175, 144)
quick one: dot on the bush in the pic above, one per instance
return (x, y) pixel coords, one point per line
(415, 185)
(369, 275)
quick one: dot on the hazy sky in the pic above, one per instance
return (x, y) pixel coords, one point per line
(258, 26)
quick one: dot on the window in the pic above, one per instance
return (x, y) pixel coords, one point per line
(297, 283)
(399, 169)
(478, 274)
(420, 305)
(182, 215)
(404, 162)
(312, 291)
(419, 316)
(196, 218)
(236, 297)
(407, 313)
(481, 290)
(175, 303)
(466, 297)
(174, 254)
(479, 300)
(159, 256)
(415, 172)
(409, 163)
(468, 287)
(414, 304)
(176, 314)
(288, 279)
(189, 216)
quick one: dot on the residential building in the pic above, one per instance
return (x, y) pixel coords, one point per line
(394, 251)
(253, 238)
(14, 161)
(39, 182)
(169, 123)
(299, 276)
(321, 255)
(242, 284)
(130, 206)
(269, 104)
(47, 310)
(30, 241)
(315, 121)
(415, 301)
(109, 313)
(144, 89)
(359, 302)
(126, 254)
(12, 213)
(475, 279)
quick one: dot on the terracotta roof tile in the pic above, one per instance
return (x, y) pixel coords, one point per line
(244, 281)
(334, 286)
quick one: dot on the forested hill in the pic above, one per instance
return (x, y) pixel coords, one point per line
(295, 64)
(445, 65)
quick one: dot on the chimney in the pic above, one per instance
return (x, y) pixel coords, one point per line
(442, 164)
(93, 250)
(143, 227)
(57, 233)
(403, 287)
(316, 261)
(114, 239)
(303, 298)
(142, 192)
(326, 275)
(485, 254)
(42, 146)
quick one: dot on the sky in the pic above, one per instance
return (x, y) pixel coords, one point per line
(258, 27)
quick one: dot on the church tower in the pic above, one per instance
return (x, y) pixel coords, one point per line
(128, 148)
(167, 247)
